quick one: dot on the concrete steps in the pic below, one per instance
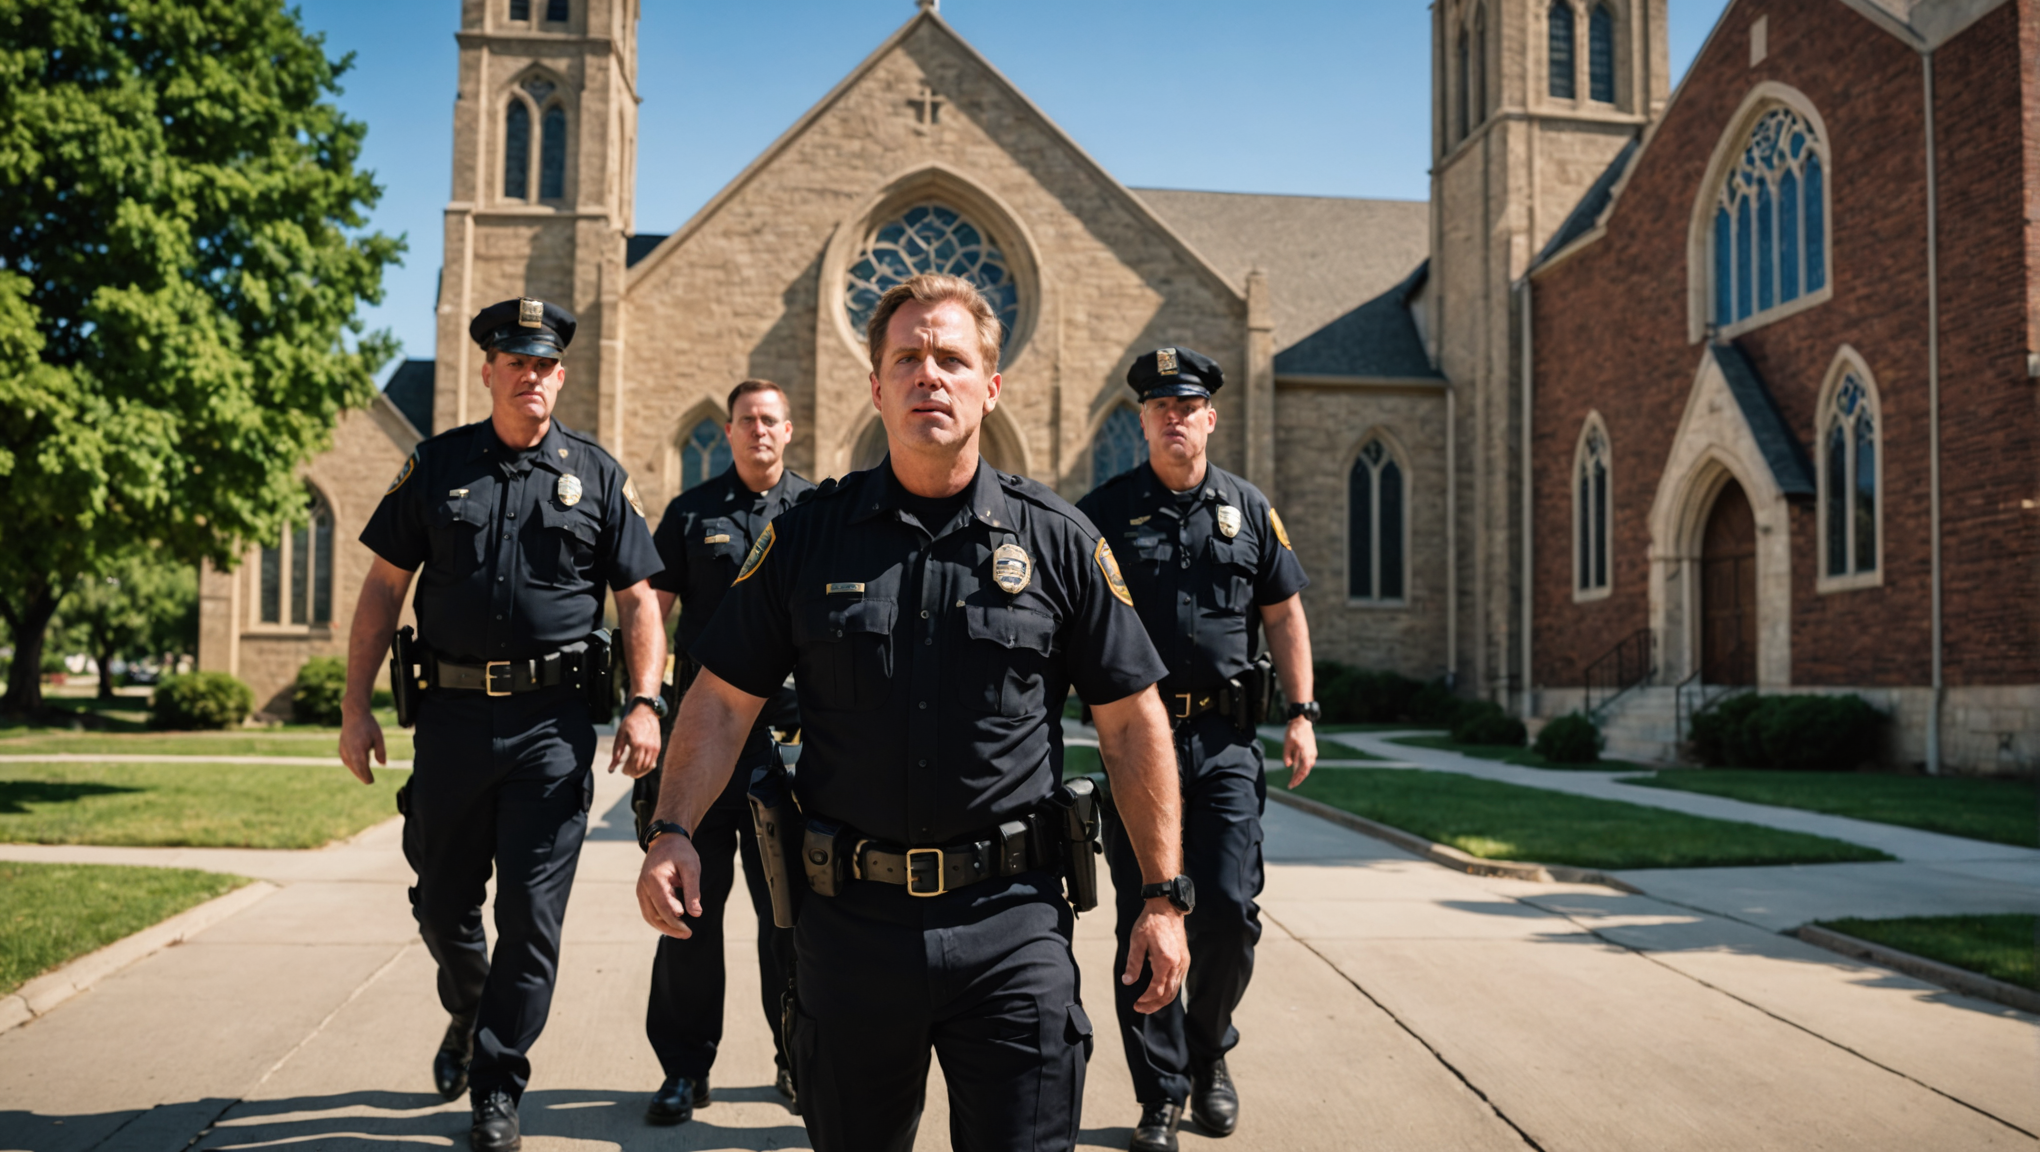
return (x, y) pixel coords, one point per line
(1643, 726)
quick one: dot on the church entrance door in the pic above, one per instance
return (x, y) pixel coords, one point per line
(1728, 591)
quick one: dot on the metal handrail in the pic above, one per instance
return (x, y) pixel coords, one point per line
(1626, 666)
(1682, 719)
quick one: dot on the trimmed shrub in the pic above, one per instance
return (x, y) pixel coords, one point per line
(1358, 696)
(1720, 732)
(315, 697)
(1570, 739)
(1435, 703)
(1484, 722)
(1816, 733)
(200, 700)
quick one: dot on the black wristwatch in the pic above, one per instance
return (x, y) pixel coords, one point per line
(1180, 892)
(658, 704)
(658, 827)
(1309, 710)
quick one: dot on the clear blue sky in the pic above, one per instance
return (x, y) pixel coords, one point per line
(1321, 97)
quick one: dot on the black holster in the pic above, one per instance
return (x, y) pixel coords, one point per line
(776, 817)
(407, 677)
(1253, 694)
(1075, 808)
(598, 677)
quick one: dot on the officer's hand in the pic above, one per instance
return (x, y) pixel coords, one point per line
(672, 870)
(1299, 750)
(1158, 941)
(360, 735)
(637, 743)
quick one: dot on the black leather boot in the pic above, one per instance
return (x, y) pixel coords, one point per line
(1214, 1102)
(456, 1052)
(1156, 1131)
(676, 1100)
(495, 1128)
(786, 1089)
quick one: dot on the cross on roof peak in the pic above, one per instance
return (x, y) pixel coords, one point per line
(927, 105)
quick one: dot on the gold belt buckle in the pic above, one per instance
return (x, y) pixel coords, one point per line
(1185, 698)
(941, 881)
(489, 678)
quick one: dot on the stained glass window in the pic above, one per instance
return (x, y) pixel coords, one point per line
(517, 151)
(1770, 221)
(1465, 88)
(704, 455)
(1560, 24)
(1375, 508)
(1601, 54)
(552, 155)
(1592, 511)
(931, 238)
(1120, 447)
(302, 563)
(1850, 473)
(556, 10)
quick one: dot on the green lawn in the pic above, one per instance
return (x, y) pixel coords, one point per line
(2000, 947)
(1499, 821)
(292, 740)
(1324, 728)
(1079, 760)
(1511, 754)
(2001, 811)
(50, 913)
(198, 805)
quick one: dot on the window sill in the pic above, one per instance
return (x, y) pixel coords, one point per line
(1588, 595)
(287, 632)
(1850, 583)
(1779, 312)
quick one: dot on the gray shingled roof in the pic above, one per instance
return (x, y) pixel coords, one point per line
(1581, 220)
(636, 248)
(1379, 339)
(1782, 450)
(1324, 255)
(410, 389)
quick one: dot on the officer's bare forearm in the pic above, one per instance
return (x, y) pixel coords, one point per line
(709, 732)
(1289, 644)
(643, 633)
(1140, 758)
(375, 619)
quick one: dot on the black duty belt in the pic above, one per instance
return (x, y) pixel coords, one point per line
(510, 677)
(1187, 706)
(933, 871)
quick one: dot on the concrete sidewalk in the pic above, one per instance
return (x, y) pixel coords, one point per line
(1397, 1004)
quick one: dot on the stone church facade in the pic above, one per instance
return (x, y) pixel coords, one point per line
(1388, 381)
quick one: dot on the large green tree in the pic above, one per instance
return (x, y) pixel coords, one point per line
(141, 604)
(181, 260)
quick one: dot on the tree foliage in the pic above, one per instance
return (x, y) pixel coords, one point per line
(180, 264)
(141, 605)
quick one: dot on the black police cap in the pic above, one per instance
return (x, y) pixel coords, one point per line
(524, 327)
(1174, 372)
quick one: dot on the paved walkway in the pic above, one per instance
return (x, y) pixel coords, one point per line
(1396, 1005)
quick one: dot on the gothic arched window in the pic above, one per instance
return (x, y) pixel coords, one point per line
(556, 11)
(1120, 446)
(1479, 62)
(1849, 480)
(517, 151)
(552, 155)
(1770, 220)
(931, 238)
(1376, 511)
(1601, 54)
(1465, 87)
(299, 567)
(704, 455)
(1591, 510)
(1564, 85)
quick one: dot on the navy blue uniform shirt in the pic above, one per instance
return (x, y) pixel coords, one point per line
(703, 537)
(514, 550)
(1197, 586)
(930, 695)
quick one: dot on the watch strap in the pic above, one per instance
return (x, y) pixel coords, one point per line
(653, 830)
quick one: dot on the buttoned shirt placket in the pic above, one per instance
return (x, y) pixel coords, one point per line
(511, 481)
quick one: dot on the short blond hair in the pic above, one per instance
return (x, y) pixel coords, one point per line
(935, 288)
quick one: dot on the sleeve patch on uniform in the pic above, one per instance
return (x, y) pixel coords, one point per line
(410, 466)
(630, 494)
(757, 555)
(1281, 533)
(1109, 565)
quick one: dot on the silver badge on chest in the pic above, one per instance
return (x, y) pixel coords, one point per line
(570, 491)
(1011, 569)
(1228, 520)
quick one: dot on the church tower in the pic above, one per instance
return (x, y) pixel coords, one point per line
(1532, 101)
(544, 158)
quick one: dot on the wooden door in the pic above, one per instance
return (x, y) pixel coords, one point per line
(1728, 591)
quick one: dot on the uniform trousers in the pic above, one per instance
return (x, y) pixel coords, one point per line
(1224, 792)
(504, 783)
(684, 1014)
(982, 975)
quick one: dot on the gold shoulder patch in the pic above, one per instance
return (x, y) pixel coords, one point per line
(630, 494)
(757, 555)
(1109, 565)
(410, 466)
(1281, 533)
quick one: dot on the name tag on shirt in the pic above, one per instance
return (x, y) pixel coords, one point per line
(718, 538)
(835, 588)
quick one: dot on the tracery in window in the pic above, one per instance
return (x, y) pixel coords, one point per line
(1849, 467)
(1376, 511)
(1591, 511)
(1119, 447)
(1770, 220)
(552, 155)
(517, 151)
(295, 575)
(704, 455)
(1559, 22)
(1601, 54)
(931, 238)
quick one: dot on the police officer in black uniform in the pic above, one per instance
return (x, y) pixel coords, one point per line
(1209, 562)
(516, 526)
(934, 612)
(702, 539)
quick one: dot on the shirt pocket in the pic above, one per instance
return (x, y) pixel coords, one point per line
(563, 547)
(713, 547)
(456, 528)
(1231, 572)
(846, 651)
(1006, 659)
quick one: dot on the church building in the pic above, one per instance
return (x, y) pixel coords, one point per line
(1417, 386)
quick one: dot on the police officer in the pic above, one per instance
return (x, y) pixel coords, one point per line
(702, 539)
(1209, 562)
(934, 612)
(516, 526)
